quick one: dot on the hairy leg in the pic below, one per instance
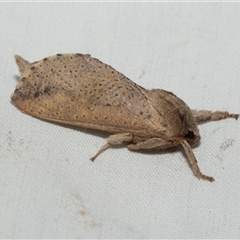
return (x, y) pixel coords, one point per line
(152, 143)
(163, 144)
(205, 115)
(114, 140)
(193, 162)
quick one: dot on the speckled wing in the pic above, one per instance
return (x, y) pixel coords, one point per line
(79, 90)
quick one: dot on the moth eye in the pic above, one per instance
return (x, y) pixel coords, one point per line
(190, 134)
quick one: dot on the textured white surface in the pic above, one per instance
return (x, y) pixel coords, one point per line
(48, 186)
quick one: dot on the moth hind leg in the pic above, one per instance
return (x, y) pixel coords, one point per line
(205, 115)
(114, 140)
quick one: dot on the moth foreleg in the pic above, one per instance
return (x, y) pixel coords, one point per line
(205, 115)
(193, 162)
(114, 140)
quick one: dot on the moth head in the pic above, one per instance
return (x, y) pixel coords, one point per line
(175, 118)
(192, 137)
(192, 132)
(188, 129)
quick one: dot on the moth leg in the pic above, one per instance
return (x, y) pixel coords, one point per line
(193, 162)
(114, 140)
(205, 115)
(152, 143)
(163, 144)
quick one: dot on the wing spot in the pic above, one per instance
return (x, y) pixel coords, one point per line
(36, 94)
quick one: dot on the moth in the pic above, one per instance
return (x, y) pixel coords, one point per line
(78, 90)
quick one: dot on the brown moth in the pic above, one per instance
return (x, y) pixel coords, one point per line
(78, 90)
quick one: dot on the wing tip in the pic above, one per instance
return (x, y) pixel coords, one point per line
(22, 63)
